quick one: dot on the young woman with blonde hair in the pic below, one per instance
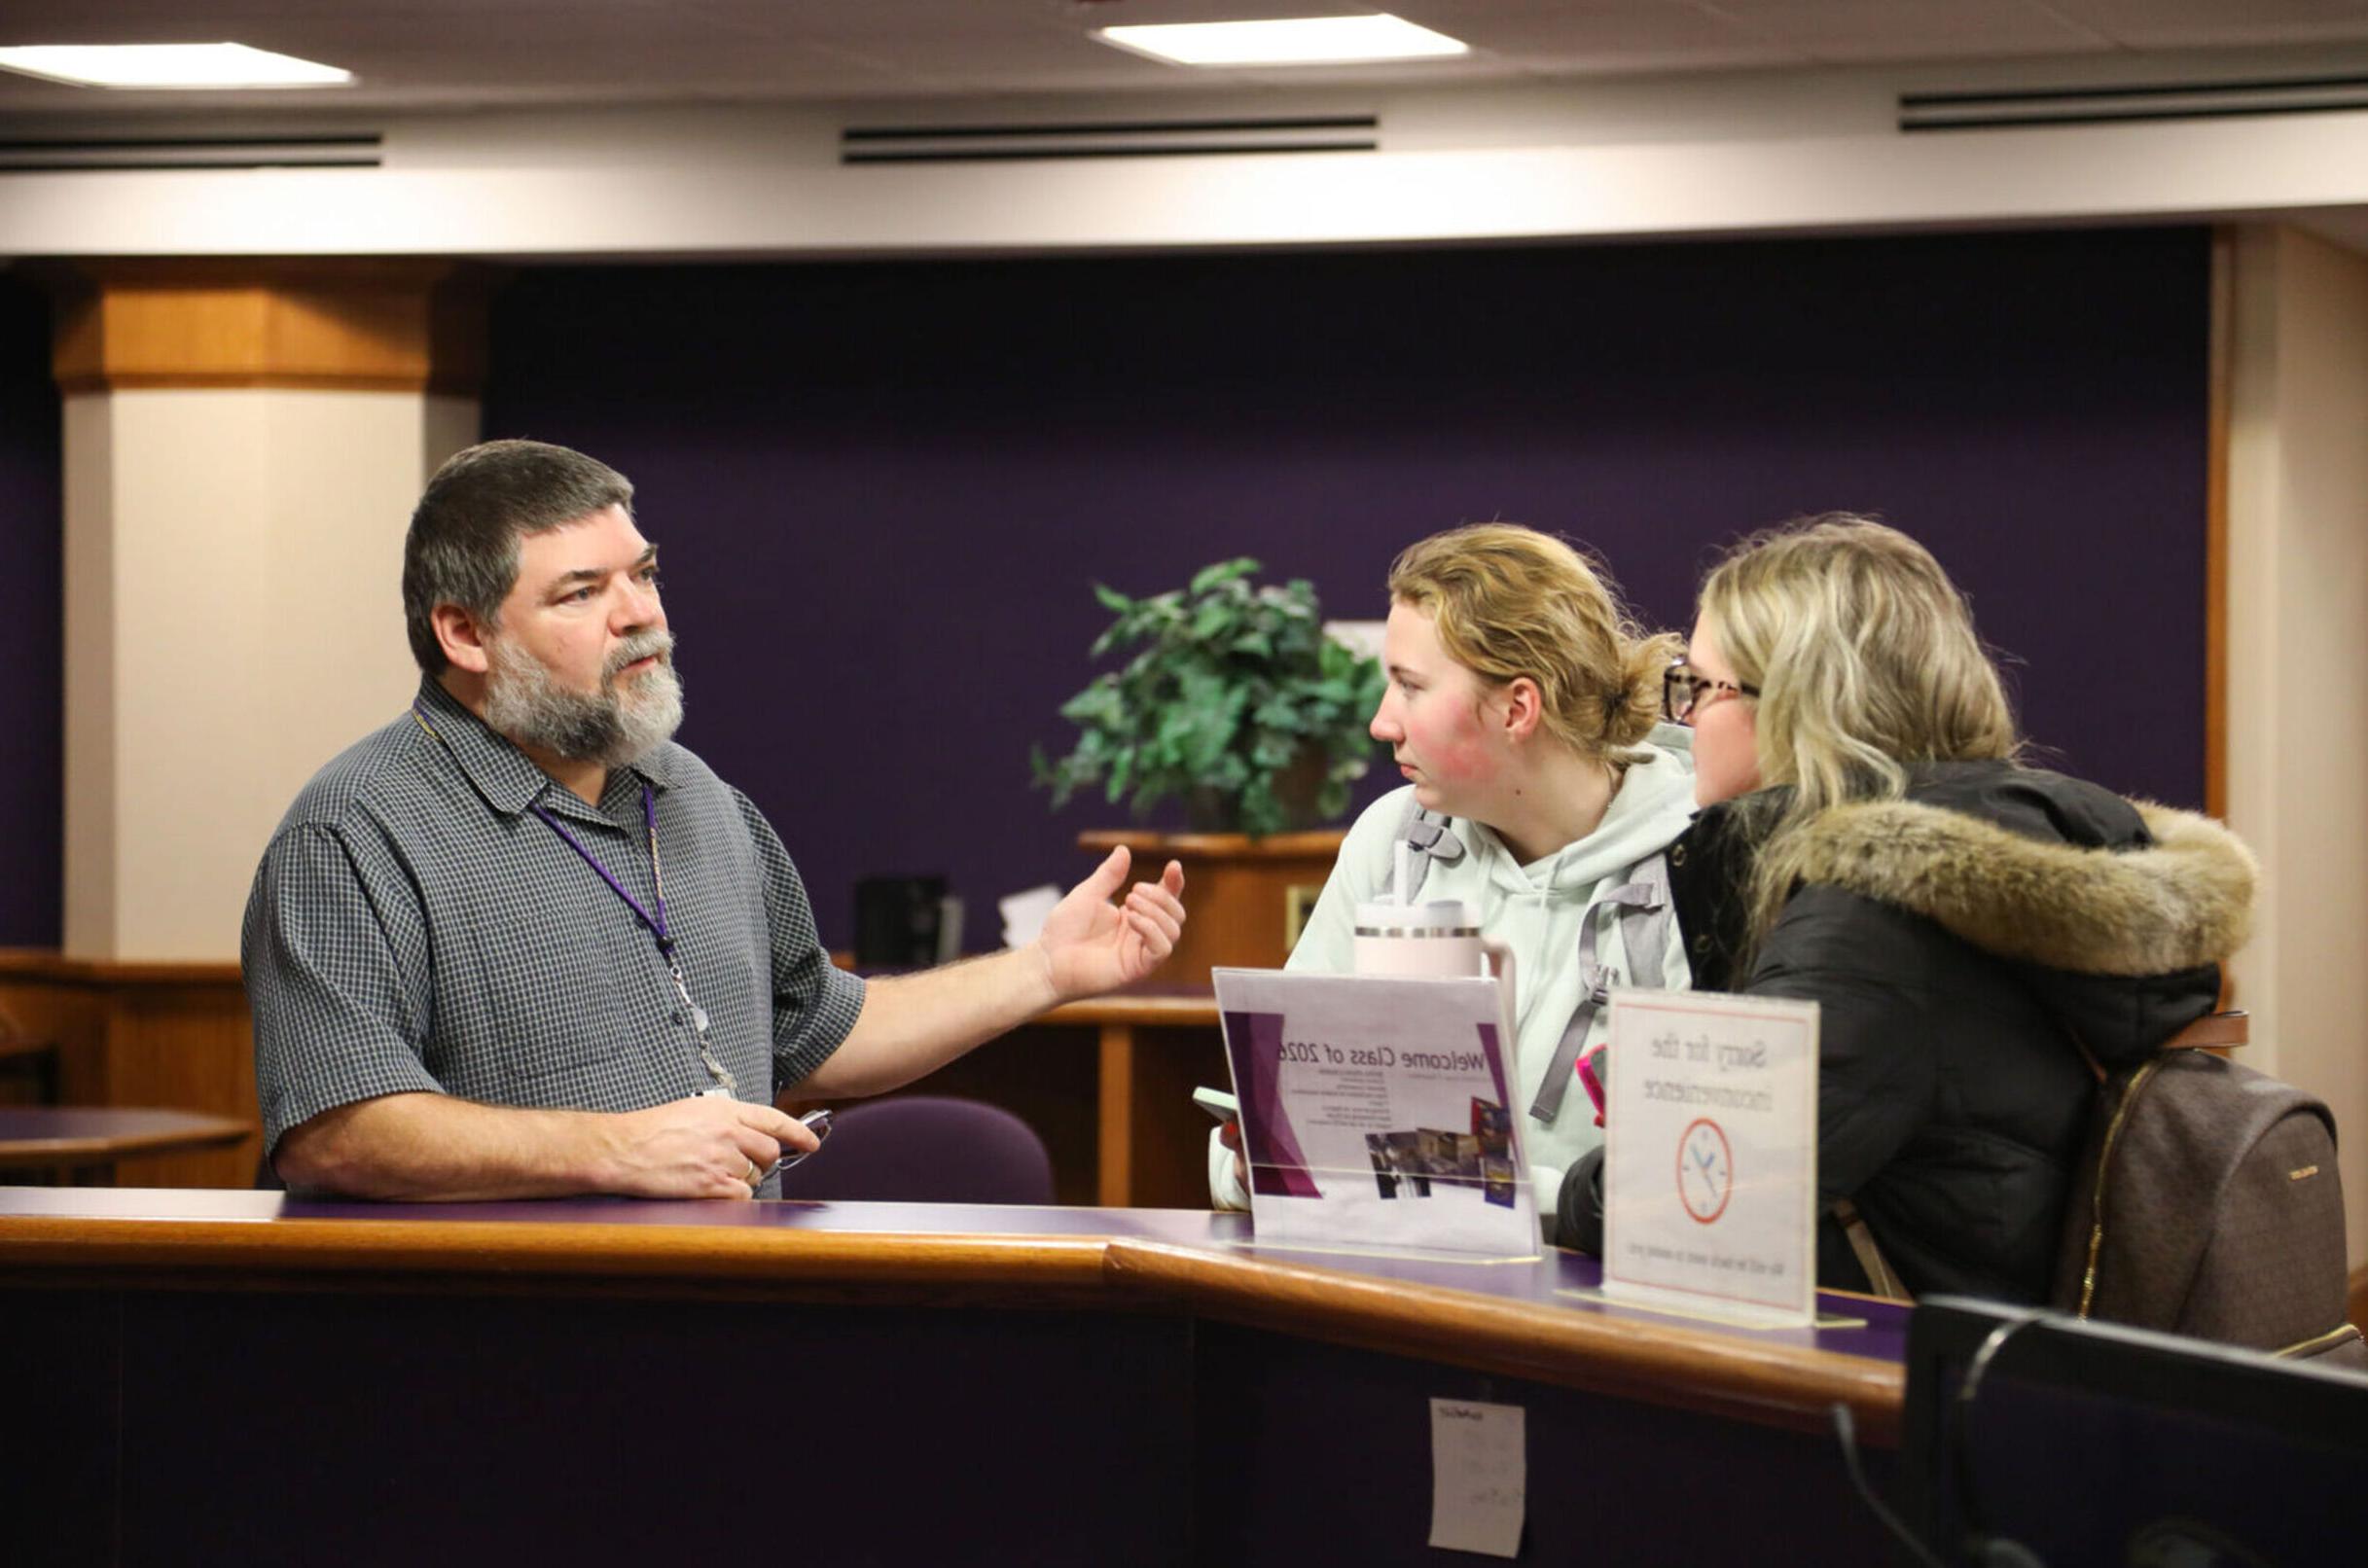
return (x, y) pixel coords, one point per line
(1976, 930)
(1523, 711)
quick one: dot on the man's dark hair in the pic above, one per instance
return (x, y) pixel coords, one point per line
(462, 547)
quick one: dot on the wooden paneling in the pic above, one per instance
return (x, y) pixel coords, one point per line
(166, 1036)
(1155, 1141)
(1108, 1083)
(321, 324)
(2218, 361)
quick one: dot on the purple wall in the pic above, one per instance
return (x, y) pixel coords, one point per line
(32, 781)
(883, 487)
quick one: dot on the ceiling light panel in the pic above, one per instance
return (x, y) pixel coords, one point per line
(168, 67)
(1289, 41)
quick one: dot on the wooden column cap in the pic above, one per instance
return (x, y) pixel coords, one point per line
(353, 323)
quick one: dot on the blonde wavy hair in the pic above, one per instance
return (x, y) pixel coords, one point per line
(1508, 601)
(1867, 663)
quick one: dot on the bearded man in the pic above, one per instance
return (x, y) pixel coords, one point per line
(518, 943)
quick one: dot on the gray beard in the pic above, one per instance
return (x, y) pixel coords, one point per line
(614, 727)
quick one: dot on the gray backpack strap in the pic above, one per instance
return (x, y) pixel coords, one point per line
(1431, 838)
(1645, 918)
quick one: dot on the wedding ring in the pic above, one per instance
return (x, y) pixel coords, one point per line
(754, 1175)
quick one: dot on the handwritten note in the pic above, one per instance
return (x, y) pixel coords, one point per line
(1480, 1476)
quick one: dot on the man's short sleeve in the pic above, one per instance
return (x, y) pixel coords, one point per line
(336, 967)
(815, 1003)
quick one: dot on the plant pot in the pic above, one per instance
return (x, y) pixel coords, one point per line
(1297, 788)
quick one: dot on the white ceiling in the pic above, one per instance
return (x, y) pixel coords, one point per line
(417, 54)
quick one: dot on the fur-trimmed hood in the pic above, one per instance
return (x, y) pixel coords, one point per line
(2179, 897)
(2114, 913)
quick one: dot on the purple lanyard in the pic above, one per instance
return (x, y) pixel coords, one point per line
(658, 879)
(648, 816)
(657, 923)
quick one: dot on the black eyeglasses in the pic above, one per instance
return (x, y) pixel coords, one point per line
(1685, 689)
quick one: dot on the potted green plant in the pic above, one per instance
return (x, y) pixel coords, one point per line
(1232, 699)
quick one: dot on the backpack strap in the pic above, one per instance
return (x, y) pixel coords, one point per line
(1880, 1280)
(2214, 1031)
(2117, 1118)
(1645, 915)
(1431, 838)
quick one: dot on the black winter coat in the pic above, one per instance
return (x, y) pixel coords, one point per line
(1964, 946)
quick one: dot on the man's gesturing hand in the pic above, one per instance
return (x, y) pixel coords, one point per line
(712, 1147)
(1092, 945)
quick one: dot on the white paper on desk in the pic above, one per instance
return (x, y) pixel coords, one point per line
(1024, 913)
(1480, 1476)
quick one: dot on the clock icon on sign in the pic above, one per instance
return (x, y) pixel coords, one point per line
(1705, 1170)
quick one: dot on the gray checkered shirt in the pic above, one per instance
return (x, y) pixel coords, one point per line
(414, 927)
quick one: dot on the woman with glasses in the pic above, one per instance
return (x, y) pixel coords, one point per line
(1978, 932)
(1524, 711)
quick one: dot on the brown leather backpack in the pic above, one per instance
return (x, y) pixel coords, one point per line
(2206, 1203)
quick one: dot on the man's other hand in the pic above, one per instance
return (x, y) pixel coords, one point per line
(711, 1147)
(1092, 945)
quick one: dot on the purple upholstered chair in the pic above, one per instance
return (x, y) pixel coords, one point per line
(925, 1149)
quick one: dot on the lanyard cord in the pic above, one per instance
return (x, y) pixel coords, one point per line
(649, 815)
(656, 923)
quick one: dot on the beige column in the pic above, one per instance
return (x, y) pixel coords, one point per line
(244, 441)
(2297, 702)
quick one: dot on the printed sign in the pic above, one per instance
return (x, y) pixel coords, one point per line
(1480, 1476)
(1378, 1112)
(1710, 1154)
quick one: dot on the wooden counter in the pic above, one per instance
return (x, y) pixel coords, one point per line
(1059, 1385)
(84, 1145)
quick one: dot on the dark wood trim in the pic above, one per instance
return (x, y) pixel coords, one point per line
(1323, 842)
(1659, 1364)
(169, 1251)
(1115, 1158)
(1183, 1010)
(1730, 1375)
(170, 1036)
(55, 1138)
(2219, 360)
(50, 965)
(2357, 1295)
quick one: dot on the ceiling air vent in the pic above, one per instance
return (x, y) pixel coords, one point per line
(2111, 105)
(1140, 138)
(86, 154)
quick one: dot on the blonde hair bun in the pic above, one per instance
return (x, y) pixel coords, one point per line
(1636, 707)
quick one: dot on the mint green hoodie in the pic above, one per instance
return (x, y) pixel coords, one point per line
(1537, 910)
